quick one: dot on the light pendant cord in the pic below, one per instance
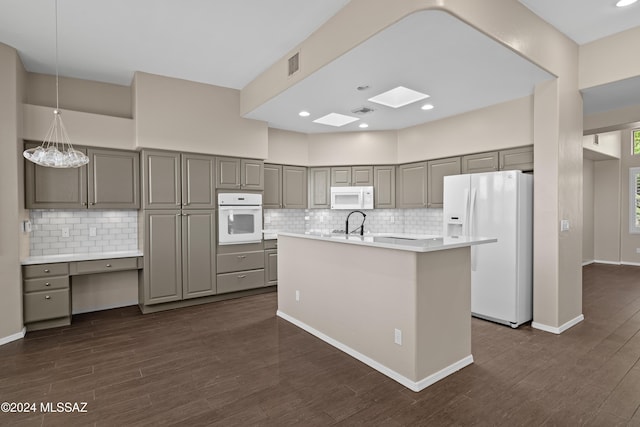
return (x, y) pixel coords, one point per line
(57, 90)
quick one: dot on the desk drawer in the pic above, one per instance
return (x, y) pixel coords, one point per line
(46, 283)
(241, 280)
(44, 270)
(46, 305)
(240, 261)
(103, 265)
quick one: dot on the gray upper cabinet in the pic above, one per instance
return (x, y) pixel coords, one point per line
(411, 185)
(319, 188)
(437, 170)
(252, 174)
(161, 180)
(48, 188)
(343, 176)
(114, 179)
(198, 253)
(384, 182)
(481, 162)
(111, 180)
(294, 187)
(198, 181)
(272, 197)
(234, 173)
(517, 159)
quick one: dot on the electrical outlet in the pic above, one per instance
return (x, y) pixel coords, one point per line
(638, 250)
(392, 220)
(397, 337)
(65, 231)
(297, 295)
(92, 231)
(267, 219)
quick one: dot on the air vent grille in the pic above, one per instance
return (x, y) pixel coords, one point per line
(363, 110)
(294, 63)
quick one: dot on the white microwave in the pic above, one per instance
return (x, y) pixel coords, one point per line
(351, 197)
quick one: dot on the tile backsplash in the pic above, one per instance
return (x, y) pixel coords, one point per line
(416, 221)
(115, 230)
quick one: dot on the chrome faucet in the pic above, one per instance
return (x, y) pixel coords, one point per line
(346, 226)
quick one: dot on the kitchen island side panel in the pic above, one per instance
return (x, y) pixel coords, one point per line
(443, 309)
(356, 295)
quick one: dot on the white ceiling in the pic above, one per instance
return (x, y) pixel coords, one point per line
(228, 43)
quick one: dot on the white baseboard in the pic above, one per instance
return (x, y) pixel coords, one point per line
(636, 264)
(599, 261)
(560, 329)
(587, 262)
(16, 336)
(412, 385)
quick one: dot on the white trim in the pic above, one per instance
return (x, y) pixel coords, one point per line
(637, 264)
(559, 330)
(633, 175)
(587, 262)
(16, 336)
(412, 385)
(600, 261)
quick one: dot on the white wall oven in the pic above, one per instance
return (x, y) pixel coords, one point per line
(239, 218)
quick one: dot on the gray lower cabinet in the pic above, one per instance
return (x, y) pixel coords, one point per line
(111, 180)
(238, 271)
(517, 159)
(271, 262)
(171, 180)
(384, 183)
(342, 176)
(481, 162)
(179, 260)
(235, 173)
(437, 170)
(46, 295)
(411, 183)
(319, 188)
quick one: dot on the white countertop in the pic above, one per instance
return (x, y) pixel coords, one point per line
(399, 241)
(46, 259)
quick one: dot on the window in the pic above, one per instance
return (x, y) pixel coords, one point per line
(635, 135)
(634, 200)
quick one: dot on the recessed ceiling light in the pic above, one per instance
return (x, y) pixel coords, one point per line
(623, 3)
(335, 119)
(398, 97)
(427, 107)
(363, 125)
(304, 114)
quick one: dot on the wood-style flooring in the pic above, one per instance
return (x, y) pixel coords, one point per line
(233, 363)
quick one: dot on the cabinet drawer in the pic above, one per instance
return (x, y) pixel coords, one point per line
(46, 305)
(44, 270)
(240, 280)
(271, 244)
(46, 283)
(104, 265)
(240, 261)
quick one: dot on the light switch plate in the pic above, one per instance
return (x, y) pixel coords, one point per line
(564, 225)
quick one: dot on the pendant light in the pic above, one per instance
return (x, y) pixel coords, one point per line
(56, 150)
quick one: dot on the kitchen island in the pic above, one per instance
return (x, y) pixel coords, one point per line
(400, 305)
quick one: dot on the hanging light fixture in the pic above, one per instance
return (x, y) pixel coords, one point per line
(56, 150)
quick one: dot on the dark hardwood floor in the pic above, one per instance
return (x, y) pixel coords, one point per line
(234, 363)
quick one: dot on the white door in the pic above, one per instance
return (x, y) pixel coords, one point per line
(493, 213)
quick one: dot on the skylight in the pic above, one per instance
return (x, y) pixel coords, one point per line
(335, 119)
(398, 97)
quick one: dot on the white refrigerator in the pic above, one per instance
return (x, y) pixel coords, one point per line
(500, 205)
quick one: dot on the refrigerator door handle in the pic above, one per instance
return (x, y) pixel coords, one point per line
(472, 210)
(465, 224)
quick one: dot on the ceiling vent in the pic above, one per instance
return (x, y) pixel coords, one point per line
(294, 63)
(363, 110)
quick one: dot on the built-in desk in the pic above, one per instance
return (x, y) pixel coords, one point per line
(47, 281)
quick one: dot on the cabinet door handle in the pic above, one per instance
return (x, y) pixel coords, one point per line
(108, 265)
(84, 203)
(46, 270)
(47, 297)
(242, 276)
(93, 203)
(47, 284)
(242, 256)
